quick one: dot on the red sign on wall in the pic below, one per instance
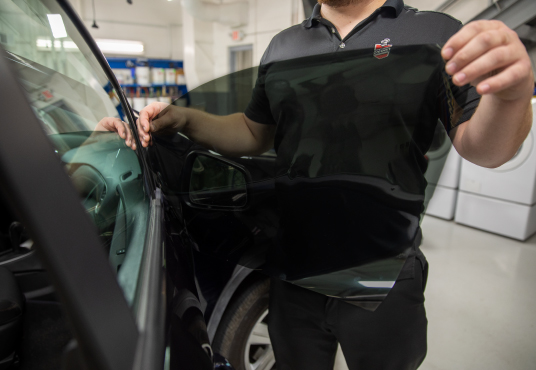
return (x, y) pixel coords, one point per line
(237, 35)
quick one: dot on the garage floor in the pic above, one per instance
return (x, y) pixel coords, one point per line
(480, 299)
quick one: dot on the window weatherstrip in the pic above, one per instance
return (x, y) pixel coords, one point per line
(150, 297)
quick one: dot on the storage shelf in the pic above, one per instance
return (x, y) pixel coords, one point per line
(128, 63)
(155, 85)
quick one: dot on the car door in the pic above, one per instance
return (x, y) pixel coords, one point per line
(81, 200)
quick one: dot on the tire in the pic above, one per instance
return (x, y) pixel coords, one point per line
(242, 336)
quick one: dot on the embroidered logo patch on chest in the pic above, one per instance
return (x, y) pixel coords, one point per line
(382, 49)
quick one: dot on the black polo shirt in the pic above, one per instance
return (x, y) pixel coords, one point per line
(400, 24)
(355, 118)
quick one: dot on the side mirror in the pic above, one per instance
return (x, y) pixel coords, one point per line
(216, 183)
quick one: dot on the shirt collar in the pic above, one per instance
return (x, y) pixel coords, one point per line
(396, 5)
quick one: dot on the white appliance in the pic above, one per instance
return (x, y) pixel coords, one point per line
(501, 200)
(442, 174)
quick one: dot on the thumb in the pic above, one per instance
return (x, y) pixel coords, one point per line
(163, 121)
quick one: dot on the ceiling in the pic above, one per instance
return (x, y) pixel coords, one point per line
(147, 12)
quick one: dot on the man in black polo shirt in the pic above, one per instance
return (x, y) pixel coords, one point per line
(484, 58)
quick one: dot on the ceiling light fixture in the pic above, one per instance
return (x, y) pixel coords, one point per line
(47, 44)
(57, 26)
(124, 47)
(107, 46)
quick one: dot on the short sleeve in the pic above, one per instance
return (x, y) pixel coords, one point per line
(258, 109)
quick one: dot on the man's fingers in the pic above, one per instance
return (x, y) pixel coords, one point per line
(510, 77)
(489, 55)
(476, 47)
(492, 61)
(146, 123)
(107, 124)
(468, 32)
(143, 135)
(122, 129)
(164, 119)
(129, 139)
(146, 115)
(115, 125)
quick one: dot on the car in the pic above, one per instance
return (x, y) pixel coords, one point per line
(118, 259)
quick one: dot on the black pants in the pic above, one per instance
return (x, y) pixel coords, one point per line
(305, 328)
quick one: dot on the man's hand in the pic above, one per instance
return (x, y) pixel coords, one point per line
(158, 117)
(116, 125)
(490, 56)
(153, 118)
(234, 135)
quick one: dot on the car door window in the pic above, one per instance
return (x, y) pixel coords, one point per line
(69, 94)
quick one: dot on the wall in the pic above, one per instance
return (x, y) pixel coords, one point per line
(207, 44)
(157, 23)
(464, 10)
(266, 19)
(159, 41)
(467, 10)
(198, 45)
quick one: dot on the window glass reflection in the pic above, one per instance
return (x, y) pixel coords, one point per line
(70, 94)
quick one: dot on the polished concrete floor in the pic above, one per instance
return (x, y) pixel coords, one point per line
(480, 299)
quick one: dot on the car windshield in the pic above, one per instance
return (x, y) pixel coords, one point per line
(352, 161)
(70, 93)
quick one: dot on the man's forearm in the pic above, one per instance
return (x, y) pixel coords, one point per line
(493, 135)
(230, 135)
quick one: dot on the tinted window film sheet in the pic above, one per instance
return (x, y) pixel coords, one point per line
(336, 205)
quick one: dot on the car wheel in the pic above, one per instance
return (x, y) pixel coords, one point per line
(242, 335)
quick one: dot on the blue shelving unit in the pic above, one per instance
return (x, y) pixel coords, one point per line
(131, 63)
